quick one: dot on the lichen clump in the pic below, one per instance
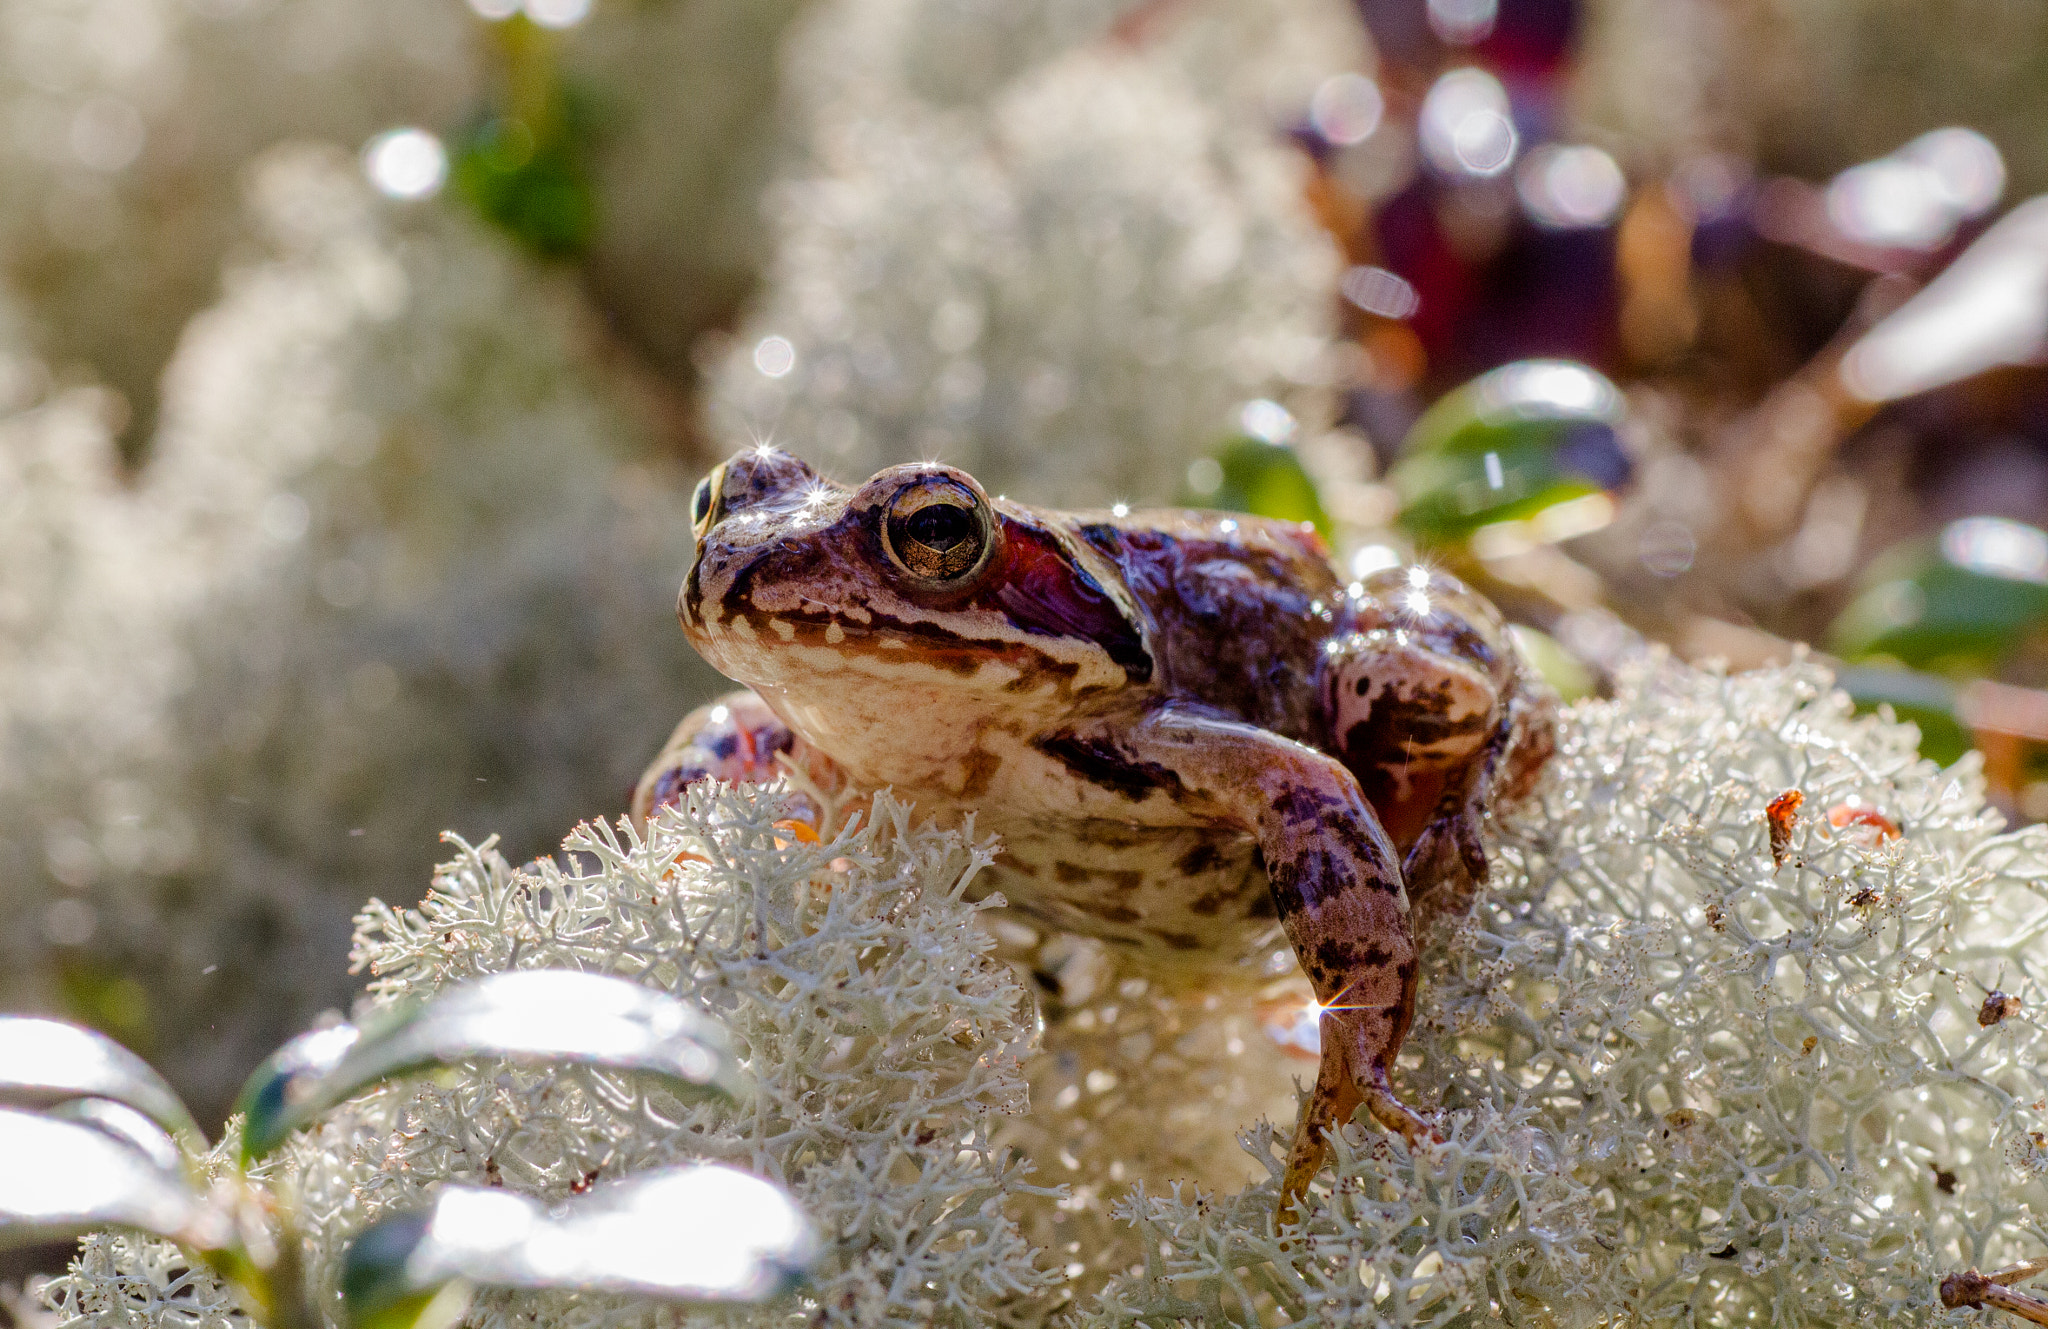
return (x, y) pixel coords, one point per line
(1682, 1082)
(395, 563)
(1682, 1079)
(883, 1040)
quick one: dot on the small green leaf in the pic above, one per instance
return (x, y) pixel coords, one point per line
(690, 1234)
(47, 1061)
(1923, 700)
(1956, 605)
(533, 185)
(1266, 480)
(1507, 445)
(1559, 667)
(59, 1179)
(539, 1015)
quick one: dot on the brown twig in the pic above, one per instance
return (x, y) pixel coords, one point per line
(1976, 1290)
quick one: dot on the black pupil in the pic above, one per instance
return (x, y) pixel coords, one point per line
(939, 526)
(700, 506)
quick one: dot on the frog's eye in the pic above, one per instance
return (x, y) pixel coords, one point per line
(701, 502)
(938, 530)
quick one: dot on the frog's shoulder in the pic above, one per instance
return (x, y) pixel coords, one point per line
(1237, 607)
(1176, 547)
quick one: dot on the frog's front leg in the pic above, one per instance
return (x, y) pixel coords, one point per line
(1447, 864)
(1426, 701)
(735, 738)
(1337, 888)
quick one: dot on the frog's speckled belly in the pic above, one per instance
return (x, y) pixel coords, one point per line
(1187, 896)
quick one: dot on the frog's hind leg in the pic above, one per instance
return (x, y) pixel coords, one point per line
(1447, 863)
(735, 738)
(1410, 697)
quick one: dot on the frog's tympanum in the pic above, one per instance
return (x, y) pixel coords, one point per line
(1185, 726)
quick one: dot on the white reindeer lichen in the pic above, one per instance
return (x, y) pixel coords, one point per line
(1059, 259)
(1685, 1084)
(1685, 1080)
(883, 1039)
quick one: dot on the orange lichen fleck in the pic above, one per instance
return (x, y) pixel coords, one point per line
(797, 831)
(1783, 814)
(1843, 815)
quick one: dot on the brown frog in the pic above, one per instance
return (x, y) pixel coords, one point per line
(1185, 726)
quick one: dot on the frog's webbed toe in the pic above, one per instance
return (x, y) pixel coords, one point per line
(736, 738)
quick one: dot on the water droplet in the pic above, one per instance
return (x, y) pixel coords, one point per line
(774, 356)
(406, 163)
(1346, 108)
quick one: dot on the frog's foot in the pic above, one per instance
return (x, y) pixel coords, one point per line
(1349, 1043)
(735, 738)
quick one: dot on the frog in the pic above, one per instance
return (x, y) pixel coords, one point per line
(1192, 735)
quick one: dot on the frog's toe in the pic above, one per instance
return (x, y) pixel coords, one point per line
(1337, 1095)
(1330, 1104)
(1471, 848)
(1445, 865)
(1389, 1111)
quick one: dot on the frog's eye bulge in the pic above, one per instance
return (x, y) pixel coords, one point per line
(938, 530)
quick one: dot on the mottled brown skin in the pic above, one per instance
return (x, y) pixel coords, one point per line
(1184, 726)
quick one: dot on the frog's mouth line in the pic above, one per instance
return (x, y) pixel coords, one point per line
(891, 641)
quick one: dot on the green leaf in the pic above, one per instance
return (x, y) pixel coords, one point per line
(1559, 667)
(534, 185)
(1923, 700)
(1955, 605)
(1267, 480)
(539, 1015)
(47, 1061)
(1507, 445)
(689, 1234)
(60, 1179)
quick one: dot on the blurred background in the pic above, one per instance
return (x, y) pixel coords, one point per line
(357, 358)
